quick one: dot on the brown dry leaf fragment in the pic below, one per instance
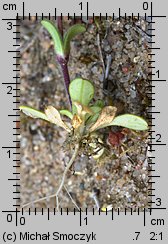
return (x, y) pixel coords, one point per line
(54, 117)
(87, 110)
(82, 109)
(106, 117)
(76, 121)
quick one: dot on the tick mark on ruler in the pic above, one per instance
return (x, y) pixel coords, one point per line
(14, 179)
(144, 217)
(11, 147)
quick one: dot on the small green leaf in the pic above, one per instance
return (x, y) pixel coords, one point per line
(66, 113)
(130, 121)
(55, 34)
(81, 91)
(33, 112)
(70, 34)
(96, 110)
(99, 103)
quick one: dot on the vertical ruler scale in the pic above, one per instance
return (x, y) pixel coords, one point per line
(12, 87)
(11, 146)
(152, 108)
(158, 140)
(16, 122)
(146, 225)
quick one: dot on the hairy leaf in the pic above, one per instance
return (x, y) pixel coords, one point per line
(54, 117)
(33, 113)
(81, 91)
(70, 34)
(55, 34)
(130, 121)
(67, 113)
(105, 119)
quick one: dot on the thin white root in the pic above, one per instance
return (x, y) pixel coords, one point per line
(53, 195)
(64, 174)
(61, 184)
(38, 200)
(71, 198)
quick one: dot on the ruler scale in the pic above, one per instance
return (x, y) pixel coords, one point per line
(19, 225)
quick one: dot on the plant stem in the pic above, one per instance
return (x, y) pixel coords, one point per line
(64, 67)
(63, 61)
(65, 172)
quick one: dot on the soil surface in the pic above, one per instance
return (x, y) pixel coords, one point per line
(113, 54)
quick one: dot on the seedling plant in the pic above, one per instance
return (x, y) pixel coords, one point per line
(85, 117)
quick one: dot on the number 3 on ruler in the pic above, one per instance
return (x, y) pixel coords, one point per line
(9, 25)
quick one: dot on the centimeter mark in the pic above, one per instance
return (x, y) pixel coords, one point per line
(87, 14)
(80, 212)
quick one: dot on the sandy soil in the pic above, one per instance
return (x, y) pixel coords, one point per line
(121, 182)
